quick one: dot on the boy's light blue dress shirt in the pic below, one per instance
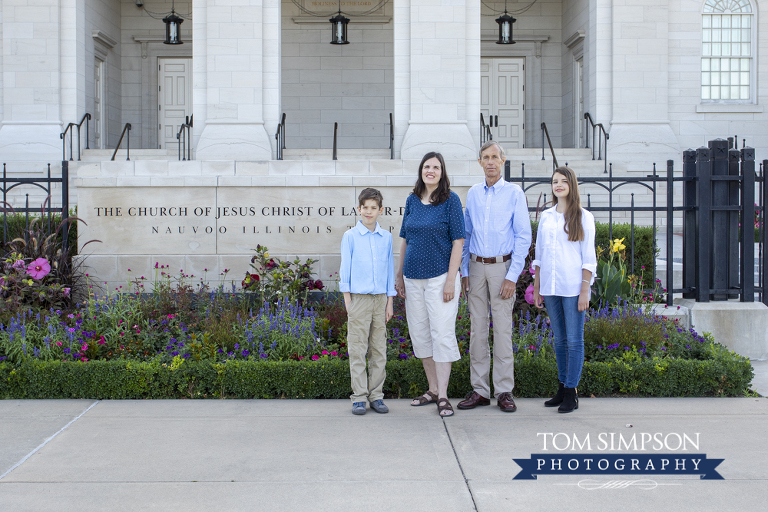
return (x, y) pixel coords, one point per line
(497, 223)
(367, 262)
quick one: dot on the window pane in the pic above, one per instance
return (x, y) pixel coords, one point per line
(736, 35)
(746, 35)
(736, 22)
(715, 64)
(705, 93)
(715, 93)
(725, 79)
(735, 49)
(745, 64)
(705, 79)
(744, 78)
(725, 93)
(705, 64)
(746, 21)
(726, 35)
(717, 35)
(744, 92)
(726, 22)
(706, 35)
(735, 93)
(726, 48)
(735, 64)
(725, 65)
(715, 78)
(706, 21)
(716, 49)
(734, 78)
(746, 49)
(715, 21)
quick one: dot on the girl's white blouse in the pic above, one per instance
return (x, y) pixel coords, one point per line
(560, 262)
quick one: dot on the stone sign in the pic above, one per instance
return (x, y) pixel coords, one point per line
(226, 220)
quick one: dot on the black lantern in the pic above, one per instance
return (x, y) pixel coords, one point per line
(505, 22)
(339, 29)
(172, 28)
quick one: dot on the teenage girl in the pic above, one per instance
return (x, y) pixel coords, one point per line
(564, 268)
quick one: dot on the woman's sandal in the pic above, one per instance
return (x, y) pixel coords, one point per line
(444, 405)
(427, 398)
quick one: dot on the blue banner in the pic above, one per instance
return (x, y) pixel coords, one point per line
(619, 464)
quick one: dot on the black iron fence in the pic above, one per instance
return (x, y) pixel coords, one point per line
(723, 201)
(44, 184)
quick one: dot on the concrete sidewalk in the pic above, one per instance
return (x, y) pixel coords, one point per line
(314, 455)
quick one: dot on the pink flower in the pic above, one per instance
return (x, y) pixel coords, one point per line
(18, 265)
(39, 268)
(84, 347)
(66, 291)
(325, 352)
(58, 343)
(532, 270)
(315, 357)
(334, 353)
(529, 294)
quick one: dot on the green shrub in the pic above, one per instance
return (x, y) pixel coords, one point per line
(723, 374)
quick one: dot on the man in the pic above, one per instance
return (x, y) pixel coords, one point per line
(498, 237)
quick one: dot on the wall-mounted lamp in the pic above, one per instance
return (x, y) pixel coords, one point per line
(339, 29)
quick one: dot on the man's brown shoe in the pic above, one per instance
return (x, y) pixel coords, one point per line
(472, 400)
(506, 403)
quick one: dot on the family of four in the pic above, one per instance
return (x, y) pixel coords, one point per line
(486, 243)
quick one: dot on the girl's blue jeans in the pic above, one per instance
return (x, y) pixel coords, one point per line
(568, 326)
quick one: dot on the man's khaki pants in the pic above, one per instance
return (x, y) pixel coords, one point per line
(367, 335)
(485, 282)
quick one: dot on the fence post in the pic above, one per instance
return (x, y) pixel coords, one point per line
(763, 234)
(747, 230)
(721, 253)
(689, 223)
(734, 192)
(65, 203)
(703, 223)
(670, 229)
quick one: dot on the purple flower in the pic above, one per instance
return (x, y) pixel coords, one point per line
(246, 353)
(39, 268)
(175, 353)
(18, 265)
(66, 291)
(263, 356)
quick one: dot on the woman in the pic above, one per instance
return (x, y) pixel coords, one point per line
(430, 255)
(564, 267)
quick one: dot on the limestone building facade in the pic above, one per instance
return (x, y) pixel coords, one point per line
(660, 75)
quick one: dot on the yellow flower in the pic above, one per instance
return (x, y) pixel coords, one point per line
(266, 255)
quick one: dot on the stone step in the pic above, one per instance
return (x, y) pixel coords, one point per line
(561, 154)
(104, 155)
(341, 154)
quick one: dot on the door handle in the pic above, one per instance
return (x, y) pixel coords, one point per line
(497, 121)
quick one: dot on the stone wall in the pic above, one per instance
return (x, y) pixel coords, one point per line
(323, 83)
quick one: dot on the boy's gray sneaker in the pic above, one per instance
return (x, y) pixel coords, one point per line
(378, 406)
(358, 408)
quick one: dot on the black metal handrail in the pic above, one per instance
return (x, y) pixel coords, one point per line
(391, 137)
(602, 139)
(335, 131)
(5, 206)
(127, 128)
(545, 132)
(86, 119)
(280, 137)
(185, 133)
(485, 129)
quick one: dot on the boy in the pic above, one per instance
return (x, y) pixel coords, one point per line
(367, 279)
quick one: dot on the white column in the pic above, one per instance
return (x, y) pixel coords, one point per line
(234, 74)
(439, 62)
(640, 82)
(33, 95)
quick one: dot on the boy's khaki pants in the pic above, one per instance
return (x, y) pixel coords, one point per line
(367, 335)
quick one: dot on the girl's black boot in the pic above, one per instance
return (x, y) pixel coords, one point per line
(570, 400)
(557, 399)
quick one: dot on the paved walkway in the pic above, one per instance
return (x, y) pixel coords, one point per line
(314, 455)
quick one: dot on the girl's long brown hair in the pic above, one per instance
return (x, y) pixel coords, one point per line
(573, 212)
(443, 190)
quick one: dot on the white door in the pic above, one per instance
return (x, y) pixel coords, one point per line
(98, 104)
(174, 97)
(502, 99)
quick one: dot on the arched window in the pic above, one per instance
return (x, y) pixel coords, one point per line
(727, 62)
